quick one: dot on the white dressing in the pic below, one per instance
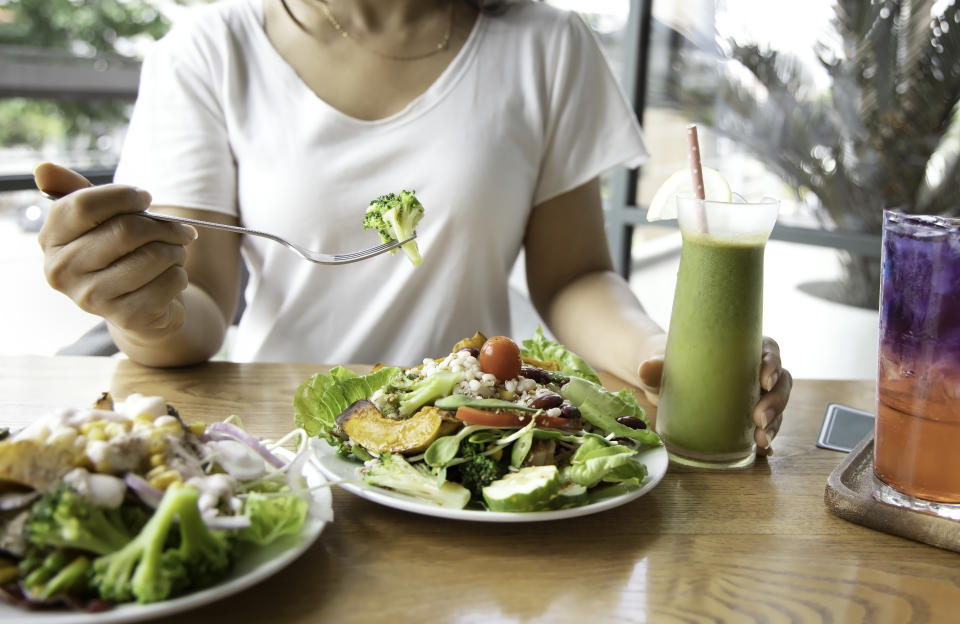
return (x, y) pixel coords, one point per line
(100, 489)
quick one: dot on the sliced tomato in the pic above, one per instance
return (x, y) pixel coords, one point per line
(513, 418)
(493, 418)
(559, 422)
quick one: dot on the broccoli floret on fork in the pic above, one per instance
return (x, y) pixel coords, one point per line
(394, 217)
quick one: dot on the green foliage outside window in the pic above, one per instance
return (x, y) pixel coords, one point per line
(885, 134)
(86, 28)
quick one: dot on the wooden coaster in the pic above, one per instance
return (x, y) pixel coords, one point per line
(849, 494)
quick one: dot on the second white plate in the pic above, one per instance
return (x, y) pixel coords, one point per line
(256, 565)
(346, 474)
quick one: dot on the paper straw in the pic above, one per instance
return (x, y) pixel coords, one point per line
(696, 174)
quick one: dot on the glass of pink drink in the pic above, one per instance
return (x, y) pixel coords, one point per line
(917, 442)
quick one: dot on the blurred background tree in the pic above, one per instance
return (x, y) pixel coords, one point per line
(885, 133)
(84, 28)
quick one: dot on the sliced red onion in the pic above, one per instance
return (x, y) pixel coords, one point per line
(215, 437)
(251, 441)
(16, 500)
(226, 523)
(237, 459)
(150, 495)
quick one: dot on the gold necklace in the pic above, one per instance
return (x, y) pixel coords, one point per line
(440, 47)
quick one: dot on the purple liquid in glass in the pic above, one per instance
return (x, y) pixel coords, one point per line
(917, 447)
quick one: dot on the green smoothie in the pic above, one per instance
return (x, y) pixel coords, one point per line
(712, 362)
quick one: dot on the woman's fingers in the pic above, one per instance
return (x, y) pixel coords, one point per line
(132, 292)
(764, 437)
(768, 414)
(111, 241)
(131, 272)
(775, 383)
(121, 255)
(156, 306)
(84, 210)
(57, 180)
(770, 364)
(651, 371)
(650, 374)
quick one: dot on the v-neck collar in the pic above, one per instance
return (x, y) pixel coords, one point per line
(433, 94)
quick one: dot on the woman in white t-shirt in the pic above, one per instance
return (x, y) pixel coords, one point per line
(289, 116)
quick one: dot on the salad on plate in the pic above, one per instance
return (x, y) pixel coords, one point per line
(125, 502)
(492, 425)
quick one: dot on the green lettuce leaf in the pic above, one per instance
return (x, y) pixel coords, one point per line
(631, 473)
(272, 517)
(321, 398)
(596, 460)
(542, 348)
(601, 408)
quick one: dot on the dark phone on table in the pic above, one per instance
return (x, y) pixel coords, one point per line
(844, 427)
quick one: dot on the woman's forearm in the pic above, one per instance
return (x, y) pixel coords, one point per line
(196, 340)
(600, 318)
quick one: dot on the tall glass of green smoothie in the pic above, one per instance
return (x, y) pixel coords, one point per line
(712, 363)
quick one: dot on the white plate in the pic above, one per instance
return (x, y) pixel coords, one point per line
(346, 474)
(255, 566)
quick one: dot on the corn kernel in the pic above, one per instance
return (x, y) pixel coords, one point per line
(166, 421)
(92, 424)
(62, 436)
(175, 430)
(114, 430)
(96, 433)
(165, 479)
(156, 459)
(197, 428)
(157, 443)
(156, 471)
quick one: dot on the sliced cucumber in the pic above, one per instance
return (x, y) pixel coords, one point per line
(528, 489)
(571, 495)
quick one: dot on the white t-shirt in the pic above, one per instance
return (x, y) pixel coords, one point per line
(526, 111)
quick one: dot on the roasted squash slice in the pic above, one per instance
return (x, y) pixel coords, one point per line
(476, 341)
(369, 428)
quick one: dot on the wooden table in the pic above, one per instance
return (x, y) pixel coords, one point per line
(755, 545)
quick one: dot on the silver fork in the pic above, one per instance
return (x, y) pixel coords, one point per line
(307, 254)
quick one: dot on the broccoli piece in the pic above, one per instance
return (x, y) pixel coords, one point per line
(63, 518)
(70, 580)
(205, 554)
(480, 471)
(404, 395)
(425, 391)
(149, 571)
(394, 472)
(47, 575)
(394, 217)
(37, 568)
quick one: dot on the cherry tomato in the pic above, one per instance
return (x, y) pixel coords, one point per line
(511, 418)
(500, 357)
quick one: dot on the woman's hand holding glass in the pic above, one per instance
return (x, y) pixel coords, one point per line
(775, 385)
